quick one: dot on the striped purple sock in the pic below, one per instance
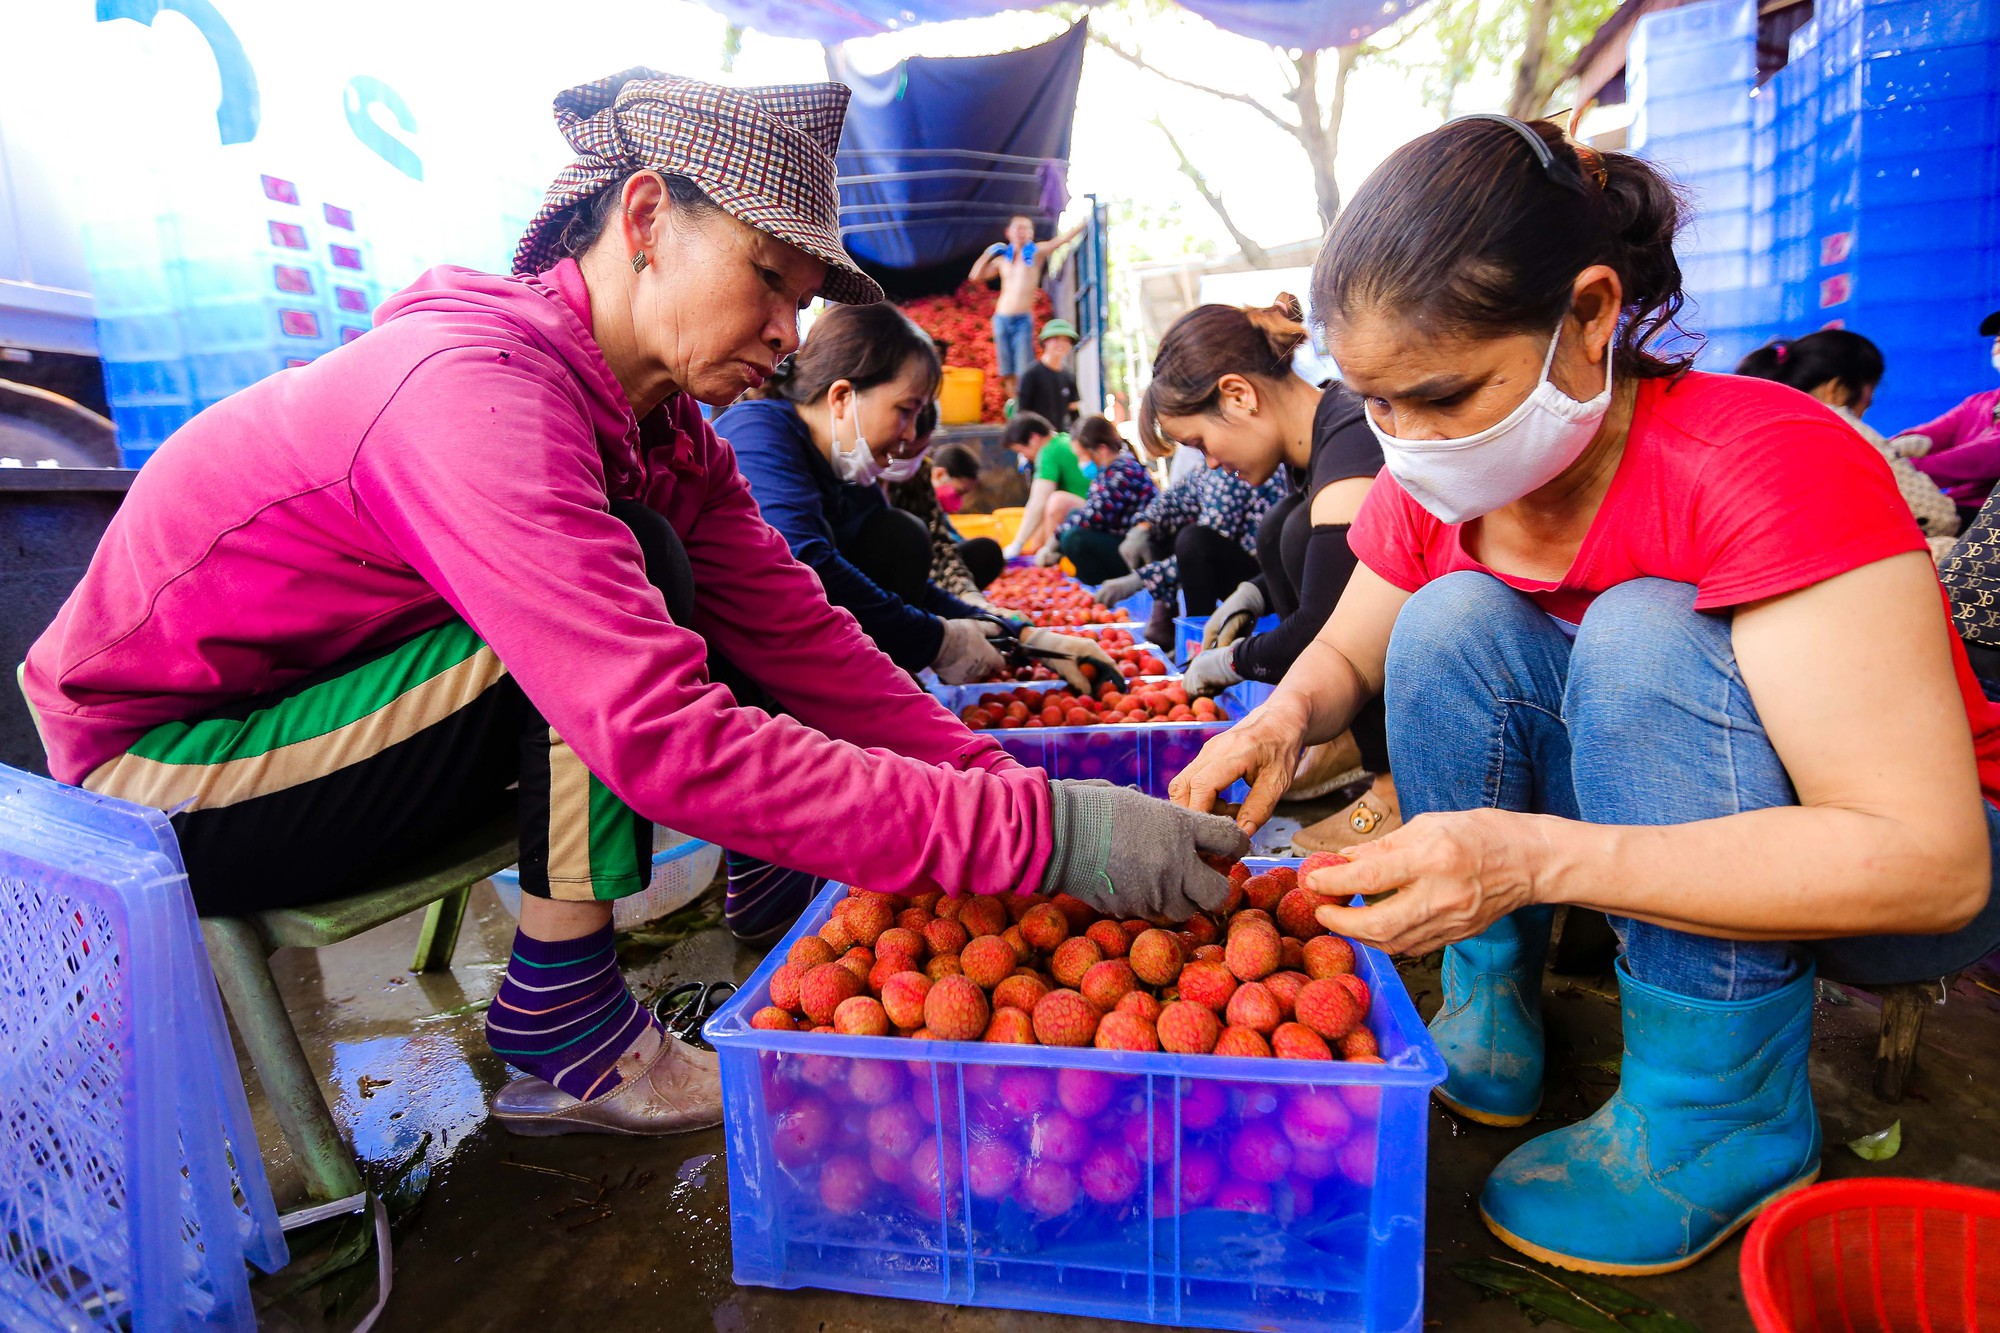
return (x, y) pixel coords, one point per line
(564, 1014)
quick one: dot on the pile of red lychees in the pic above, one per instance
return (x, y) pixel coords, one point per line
(1266, 979)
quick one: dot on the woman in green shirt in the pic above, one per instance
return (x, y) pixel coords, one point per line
(1060, 480)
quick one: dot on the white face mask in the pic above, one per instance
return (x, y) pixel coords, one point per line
(855, 463)
(1459, 480)
(1996, 358)
(902, 469)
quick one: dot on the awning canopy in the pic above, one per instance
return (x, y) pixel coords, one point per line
(938, 153)
(1309, 24)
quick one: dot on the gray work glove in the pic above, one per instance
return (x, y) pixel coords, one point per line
(1235, 618)
(1050, 554)
(1212, 671)
(1132, 855)
(967, 653)
(1113, 591)
(1137, 544)
(1080, 650)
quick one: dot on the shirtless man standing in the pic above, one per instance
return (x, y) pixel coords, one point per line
(1019, 264)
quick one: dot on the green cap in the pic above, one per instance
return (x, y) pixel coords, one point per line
(1060, 328)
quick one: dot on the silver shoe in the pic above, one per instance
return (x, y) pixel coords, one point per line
(671, 1090)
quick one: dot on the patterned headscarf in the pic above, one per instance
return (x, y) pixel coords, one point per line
(764, 155)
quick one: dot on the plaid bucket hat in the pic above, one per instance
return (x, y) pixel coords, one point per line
(765, 155)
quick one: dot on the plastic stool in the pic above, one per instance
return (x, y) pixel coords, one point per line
(240, 948)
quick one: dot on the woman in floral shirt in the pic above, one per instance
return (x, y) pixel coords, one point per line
(1198, 537)
(1119, 490)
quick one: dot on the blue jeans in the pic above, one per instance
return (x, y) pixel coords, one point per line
(1014, 343)
(1643, 719)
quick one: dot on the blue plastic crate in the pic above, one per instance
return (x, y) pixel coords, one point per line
(1187, 633)
(128, 1070)
(1901, 25)
(1145, 755)
(1347, 1254)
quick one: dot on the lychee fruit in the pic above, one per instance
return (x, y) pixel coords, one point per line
(1358, 1043)
(800, 1130)
(1252, 951)
(1296, 1041)
(845, 1183)
(983, 916)
(1084, 1092)
(1019, 991)
(994, 1165)
(1315, 1119)
(1208, 984)
(1011, 1027)
(1328, 956)
(1018, 943)
(1328, 1008)
(1156, 957)
(1126, 1032)
(785, 982)
(1286, 986)
(1079, 912)
(860, 961)
(1296, 914)
(1110, 1174)
(1260, 1152)
(987, 961)
(1355, 987)
(1201, 1174)
(914, 918)
(875, 1082)
(892, 1169)
(1203, 1103)
(944, 935)
(895, 1127)
(823, 988)
(861, 1016)
(1186, 1028)
(1255, 1008)
(1048, 1189)
(903, 998)
(808, 952)
(1198, 930)
(1065, 1018)
(1057, 1136)
(1242, 1041)
(868, 917)
(1109, 937)
(772, 1019)
(1207, 953)
(1317, 862)
(1263, 891)
(1044, 927)
(1022, 1090)
(956, 1010)
(1108, 982)
(1151, 1138)
(946, 907)
(943, 965)
(1142, 1003)
(836, 936)
(1291, 953)
(1072, 958)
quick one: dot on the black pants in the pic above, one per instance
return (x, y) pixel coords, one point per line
(1094, 553)
(984, 559)
(893, 548)
(1211, 566)
(280, 811)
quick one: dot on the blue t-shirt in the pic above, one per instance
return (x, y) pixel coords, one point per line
(817, 514)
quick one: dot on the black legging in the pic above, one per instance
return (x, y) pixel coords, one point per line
(1094, 553)
(984, 559)
(1210, 565)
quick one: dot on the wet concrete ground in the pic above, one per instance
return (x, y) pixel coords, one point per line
(500, 1243)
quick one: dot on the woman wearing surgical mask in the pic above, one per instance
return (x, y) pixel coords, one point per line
(1633, 626)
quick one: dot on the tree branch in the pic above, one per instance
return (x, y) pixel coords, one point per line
(1252, 251)
(1241, 98)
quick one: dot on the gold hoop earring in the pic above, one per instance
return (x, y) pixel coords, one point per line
(639, 261)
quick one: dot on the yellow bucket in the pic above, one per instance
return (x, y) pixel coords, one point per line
(978, 525)
(1006, 522)
(962, 398)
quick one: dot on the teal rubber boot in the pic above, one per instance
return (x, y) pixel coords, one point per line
(1490, 1028)
(1713, 1119)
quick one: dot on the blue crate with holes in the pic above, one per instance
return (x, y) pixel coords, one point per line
(133, 1183)
(1105, 1184)
(1187, 634)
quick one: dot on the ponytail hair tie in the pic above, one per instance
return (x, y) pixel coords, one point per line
(1781, 350)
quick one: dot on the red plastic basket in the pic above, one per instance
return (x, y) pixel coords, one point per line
(1876, 1256)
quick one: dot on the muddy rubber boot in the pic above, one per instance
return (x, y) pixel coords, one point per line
(1490, 1028)
(1713, 1119)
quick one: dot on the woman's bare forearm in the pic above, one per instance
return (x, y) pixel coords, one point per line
(1785, 873)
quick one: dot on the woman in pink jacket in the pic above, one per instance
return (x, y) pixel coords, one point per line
(493, 542)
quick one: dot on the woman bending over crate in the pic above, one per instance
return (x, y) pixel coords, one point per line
(493, 544)
(1633, 626)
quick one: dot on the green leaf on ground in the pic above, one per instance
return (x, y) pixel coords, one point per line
(1879, 1146)
(1583, 1303)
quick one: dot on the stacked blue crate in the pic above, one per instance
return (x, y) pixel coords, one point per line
(1908, 211)
(139, 331)
(1691, 73)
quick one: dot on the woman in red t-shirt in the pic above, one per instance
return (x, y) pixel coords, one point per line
(1634, 628)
